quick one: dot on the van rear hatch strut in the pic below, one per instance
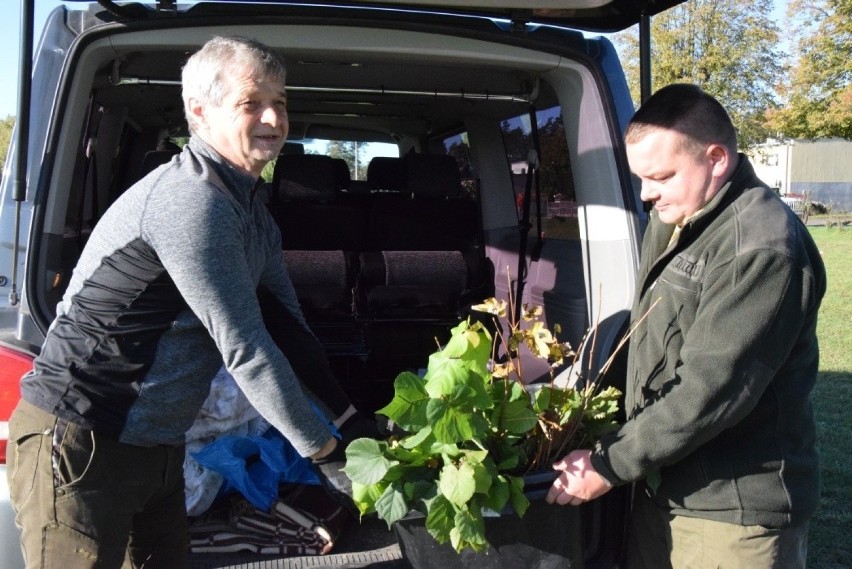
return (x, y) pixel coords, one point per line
(22, 142)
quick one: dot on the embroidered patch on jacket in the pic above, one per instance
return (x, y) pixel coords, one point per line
(688, 266)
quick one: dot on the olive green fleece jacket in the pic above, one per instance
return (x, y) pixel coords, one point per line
(720, 371)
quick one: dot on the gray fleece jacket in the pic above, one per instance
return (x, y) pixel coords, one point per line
(163, 293)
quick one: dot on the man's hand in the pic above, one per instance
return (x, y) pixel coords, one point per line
(578, 482)
(329, 447)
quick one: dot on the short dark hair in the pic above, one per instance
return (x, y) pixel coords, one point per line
(688, 109)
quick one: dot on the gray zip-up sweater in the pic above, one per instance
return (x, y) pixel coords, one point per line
(720, 372)
(164, 291)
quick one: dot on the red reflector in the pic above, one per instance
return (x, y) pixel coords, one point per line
(13, 365)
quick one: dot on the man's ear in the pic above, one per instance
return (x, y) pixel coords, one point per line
(721, 158)
(196, 109)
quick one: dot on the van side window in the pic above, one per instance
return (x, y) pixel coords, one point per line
(457, 146)
(558, 199)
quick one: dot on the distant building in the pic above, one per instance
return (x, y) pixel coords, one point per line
(821, 169)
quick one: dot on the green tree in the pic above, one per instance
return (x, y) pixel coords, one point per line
(516, 141)
(556, 176)
(6, 126)
(731, 49)
(818, 91)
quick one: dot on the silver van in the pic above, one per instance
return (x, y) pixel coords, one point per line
(481, 139)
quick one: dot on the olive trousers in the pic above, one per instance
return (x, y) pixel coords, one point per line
(658, 540)
(87, 501)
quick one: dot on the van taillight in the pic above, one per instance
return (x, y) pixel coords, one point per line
(13, 365)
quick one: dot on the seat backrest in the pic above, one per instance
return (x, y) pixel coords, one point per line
(341, 173)
(387, 174)
(293, 148)
(432, 215)
(432, 176)
(305, 176)
(307, 206)
(411, 284)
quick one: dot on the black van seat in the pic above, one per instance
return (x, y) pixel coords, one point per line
(305, 203)
(305, 176)
(341, 174)
(386, 174)
(432, 216)
(411, 284)
(426, 259)
(323, 281)
(432, 176)
(293, 148)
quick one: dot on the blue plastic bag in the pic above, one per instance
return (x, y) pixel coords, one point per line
(254, 466)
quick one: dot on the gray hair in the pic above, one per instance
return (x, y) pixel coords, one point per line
(205, 75)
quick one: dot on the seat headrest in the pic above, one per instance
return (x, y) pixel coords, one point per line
(341, 173)
(293, 148)
(305, 176)
(433, 175)
(386, 173)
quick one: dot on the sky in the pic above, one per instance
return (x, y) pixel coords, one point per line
(9, 40)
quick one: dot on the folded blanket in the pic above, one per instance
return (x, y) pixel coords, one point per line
(303, 521)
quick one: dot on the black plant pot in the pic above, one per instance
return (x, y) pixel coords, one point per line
(548, 536)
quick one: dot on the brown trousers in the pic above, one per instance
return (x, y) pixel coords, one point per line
(87, 501)
(660, 540)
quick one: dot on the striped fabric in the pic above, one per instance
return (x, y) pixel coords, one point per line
(303, 521)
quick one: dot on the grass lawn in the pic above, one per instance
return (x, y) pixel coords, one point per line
(831, 529)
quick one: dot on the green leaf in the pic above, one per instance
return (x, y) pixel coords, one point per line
(391, 505)
(470, 345)
(449, 425)
(422, 438)
(449, 451)
(366, 462)
(408, 406)
(482, 477)
(457, 484)
(474, 456)
(440, 519)
(466, 339)
(513, 410)
(506, 452)
(519, 501)
(518, 418)
(468, 530)
(420, 490)
(365, 496)
(498, 494)
(453, 380)
(541, 399)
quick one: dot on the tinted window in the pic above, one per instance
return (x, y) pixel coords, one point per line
(558, 205)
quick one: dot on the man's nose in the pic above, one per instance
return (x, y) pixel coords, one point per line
(273, 116)
(648, 192)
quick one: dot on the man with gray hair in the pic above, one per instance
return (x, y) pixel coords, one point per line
(164, 292)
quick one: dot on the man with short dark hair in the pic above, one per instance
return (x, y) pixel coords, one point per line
(163, 293)
(720, 433)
